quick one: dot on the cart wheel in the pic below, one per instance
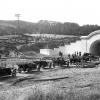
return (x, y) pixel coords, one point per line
(14, 73)
(28, 69)
(20, 70)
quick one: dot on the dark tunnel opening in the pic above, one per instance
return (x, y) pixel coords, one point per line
(95, 48)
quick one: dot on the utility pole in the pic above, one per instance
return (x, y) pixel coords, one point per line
(18, 24)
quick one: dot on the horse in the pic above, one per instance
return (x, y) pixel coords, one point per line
(75, 60)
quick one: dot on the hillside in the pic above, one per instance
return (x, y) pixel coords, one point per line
(44, 26)
(11, 27)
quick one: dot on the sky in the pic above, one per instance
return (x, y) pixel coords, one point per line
(78, 11)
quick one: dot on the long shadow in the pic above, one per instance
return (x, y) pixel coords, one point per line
(4, 78)
(9, 79)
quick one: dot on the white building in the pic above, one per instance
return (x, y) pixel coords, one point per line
(46, 51)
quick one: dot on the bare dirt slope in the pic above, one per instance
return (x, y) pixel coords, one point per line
(55, 84)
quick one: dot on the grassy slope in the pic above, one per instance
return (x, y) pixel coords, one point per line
(81, 84)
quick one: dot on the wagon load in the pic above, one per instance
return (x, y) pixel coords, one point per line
(26, 67)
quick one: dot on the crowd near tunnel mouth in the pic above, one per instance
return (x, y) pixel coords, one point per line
(95, 48)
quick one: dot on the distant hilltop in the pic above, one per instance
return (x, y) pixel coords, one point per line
(11, 27)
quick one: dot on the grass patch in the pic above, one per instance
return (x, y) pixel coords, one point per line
(55, 93)
(50, 91)
(62, 96)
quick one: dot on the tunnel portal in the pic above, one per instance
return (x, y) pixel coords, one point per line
(95, 48)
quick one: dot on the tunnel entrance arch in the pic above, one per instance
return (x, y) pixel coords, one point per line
(93, 43)
(95, 48)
